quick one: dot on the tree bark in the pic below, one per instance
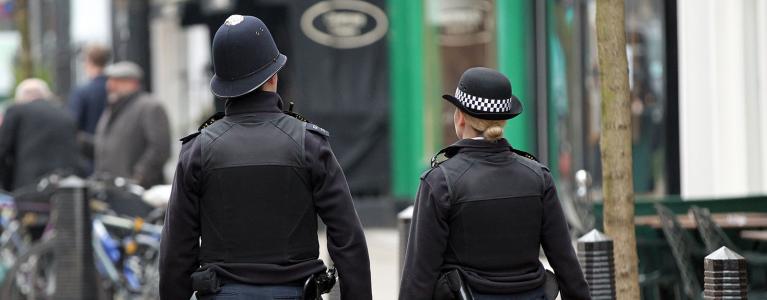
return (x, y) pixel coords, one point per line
(21, 16)
(615, 145)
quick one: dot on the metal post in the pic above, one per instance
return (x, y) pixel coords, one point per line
(595, 254)
(75, 270)
(404, 218)
(516, 54)
(406, 59)
(130, 32)
(63, 50)
(725, 276)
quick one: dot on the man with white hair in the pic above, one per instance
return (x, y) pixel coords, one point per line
(37, 137)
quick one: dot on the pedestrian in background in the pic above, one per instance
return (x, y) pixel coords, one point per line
(482, 215)
(37, 137)
(87, 102)
(250, 187)
(133, 136)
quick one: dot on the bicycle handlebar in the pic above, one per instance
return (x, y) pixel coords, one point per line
(136, 224)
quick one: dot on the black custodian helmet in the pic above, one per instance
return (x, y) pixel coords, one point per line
(244, 56)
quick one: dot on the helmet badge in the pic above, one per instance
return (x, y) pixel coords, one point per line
(234, 20)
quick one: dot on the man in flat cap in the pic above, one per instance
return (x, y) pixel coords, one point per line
(242, 217)
(133, 136)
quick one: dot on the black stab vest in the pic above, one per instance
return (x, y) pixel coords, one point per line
(256, 204)
(495, 213)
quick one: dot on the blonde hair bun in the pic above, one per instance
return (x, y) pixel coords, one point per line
(493, 133)
(492, 130)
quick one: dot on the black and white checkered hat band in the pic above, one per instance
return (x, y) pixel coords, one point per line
(483, 104)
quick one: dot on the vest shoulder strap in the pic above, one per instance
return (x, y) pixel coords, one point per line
(215, 117)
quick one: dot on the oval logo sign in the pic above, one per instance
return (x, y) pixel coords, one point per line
(465, 23)
(344, 24)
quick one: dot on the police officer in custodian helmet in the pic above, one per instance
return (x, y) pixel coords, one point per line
(482, 215)
(242, 218)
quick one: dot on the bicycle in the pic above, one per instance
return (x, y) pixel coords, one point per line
(126, 252)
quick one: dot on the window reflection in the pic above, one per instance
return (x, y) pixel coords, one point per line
(574, 95)
(466, 33)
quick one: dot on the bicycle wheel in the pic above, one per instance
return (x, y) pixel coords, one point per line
(151, 288)
(31, 276)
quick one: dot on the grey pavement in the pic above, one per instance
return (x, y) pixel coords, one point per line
(383, 246)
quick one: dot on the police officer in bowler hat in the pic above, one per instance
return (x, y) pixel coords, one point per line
(249, 186)
(482, 215)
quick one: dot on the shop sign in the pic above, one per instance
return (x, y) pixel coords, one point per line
(344, 24)
(465, 23)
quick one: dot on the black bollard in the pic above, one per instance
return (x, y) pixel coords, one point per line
(595, 254)
(75, 269)
(725, 276)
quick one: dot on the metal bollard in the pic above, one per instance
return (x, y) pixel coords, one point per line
(404, 218)
(75, 269)
(595, 254)
(725, 276)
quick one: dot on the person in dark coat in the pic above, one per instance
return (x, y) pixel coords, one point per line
(483, 214)
(37, 137)
(250, 185)
(87, 102)
(133, 135)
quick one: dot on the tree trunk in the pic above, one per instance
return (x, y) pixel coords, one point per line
(21, 16)
(615, 145)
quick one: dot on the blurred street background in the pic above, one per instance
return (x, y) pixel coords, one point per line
(372, 73)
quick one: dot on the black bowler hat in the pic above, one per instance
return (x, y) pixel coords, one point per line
(485, 94)
(244, 56)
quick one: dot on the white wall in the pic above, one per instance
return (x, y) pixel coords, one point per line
(91, 21)
(722, 85)
(180, 76)
(761, 101)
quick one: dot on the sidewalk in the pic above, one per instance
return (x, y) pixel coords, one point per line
(383, 245)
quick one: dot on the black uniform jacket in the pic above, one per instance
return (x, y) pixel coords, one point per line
(486, 211)
(227, 252)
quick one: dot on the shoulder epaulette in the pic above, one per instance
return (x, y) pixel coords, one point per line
(317, 129)
(189, 137)
(443, 155)
(217, 116)
(438, 158)
(524, 154)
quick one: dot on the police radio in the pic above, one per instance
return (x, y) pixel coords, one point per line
(319, 284)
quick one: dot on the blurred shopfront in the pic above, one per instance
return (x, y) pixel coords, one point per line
(574, 96)
(372, 72)
(548, 49)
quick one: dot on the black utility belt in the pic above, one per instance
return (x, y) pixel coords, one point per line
(451, 286)
(206, 282)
